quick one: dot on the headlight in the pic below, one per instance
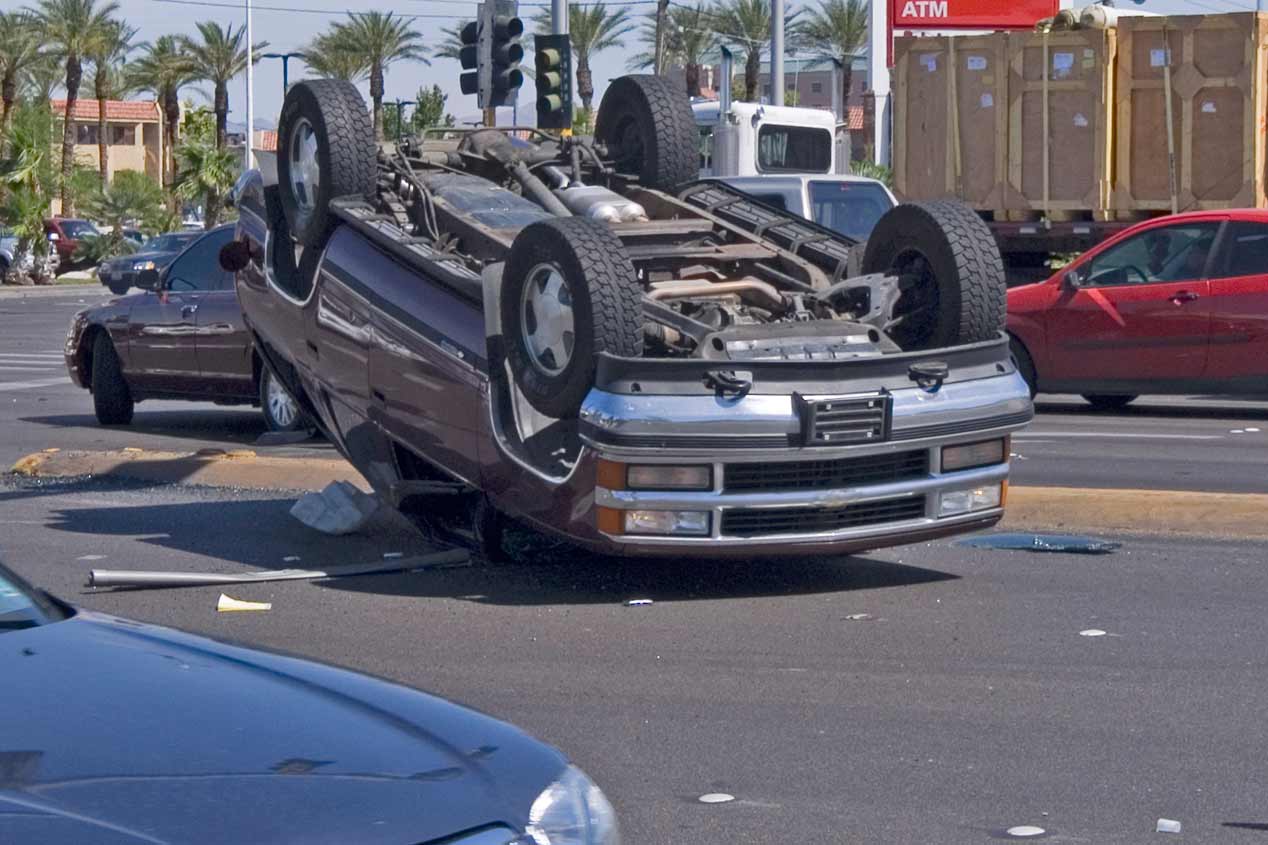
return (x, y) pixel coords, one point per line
(972, 455)
(619, 476)
(572, 811)
(955, 502)
(691, 523)
(143, 265)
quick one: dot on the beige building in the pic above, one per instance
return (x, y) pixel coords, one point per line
(134, 131)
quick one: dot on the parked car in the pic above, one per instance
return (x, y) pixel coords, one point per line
(135, 235)
(605, 354)
(119, 274)
(126, 732)
(183, 338)
(65, 233)
(1173, 305)
(849, 205)
(9, 257)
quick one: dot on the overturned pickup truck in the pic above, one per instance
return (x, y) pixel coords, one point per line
(500, 325)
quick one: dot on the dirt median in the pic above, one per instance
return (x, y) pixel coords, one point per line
(1156, 512)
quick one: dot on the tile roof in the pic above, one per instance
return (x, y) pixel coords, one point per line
(854, 118)
(134, 111)
(264, 139)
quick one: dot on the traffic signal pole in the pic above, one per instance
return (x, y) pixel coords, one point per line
(776, 53)
(559, 17)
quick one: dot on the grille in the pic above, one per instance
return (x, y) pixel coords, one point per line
(757, 522)
(834, 421)
(822, 475)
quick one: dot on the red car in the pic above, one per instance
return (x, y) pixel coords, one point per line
(66, 233)
(1173, 305)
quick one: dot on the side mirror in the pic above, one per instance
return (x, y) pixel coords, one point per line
(235, 256)
(54, 237)
(1072, 280)
(148, 279)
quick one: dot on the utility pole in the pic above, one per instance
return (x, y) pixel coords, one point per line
(559, 17)
(662, 9)
(777, 52)
(286, 61)
(246, 163)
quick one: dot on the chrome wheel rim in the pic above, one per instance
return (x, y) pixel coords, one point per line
(282, 407)
(546, 320)
(305, 171)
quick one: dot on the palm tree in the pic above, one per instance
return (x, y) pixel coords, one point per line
(836, 30)
(325, 59)
(379, 39)
(206, 173)
(594, 29)
(689, 41)
(19, 54)
(108, 83)
(747, 21)
(163, 70)
(73, 28)
(451, 44)
(219, 57)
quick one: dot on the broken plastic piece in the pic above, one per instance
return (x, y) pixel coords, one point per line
(1025, 830)
(338, 509)
(716, 798)
(232, 605)
(1061, 543)
(858, 617)
(1092, 632)
(1167, 826)
(638, 602)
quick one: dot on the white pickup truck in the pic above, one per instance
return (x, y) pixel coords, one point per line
(850, 205)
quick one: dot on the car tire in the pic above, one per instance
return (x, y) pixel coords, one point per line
(649, 130)
(111, 397)
(1025, 365)
(576, 270)
(954, 290)
(1109, 401)
(118, 289)
(326, 150)
(281, 411)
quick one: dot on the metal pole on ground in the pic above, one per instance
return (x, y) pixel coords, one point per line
(777, 52)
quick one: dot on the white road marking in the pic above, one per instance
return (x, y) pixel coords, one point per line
(1116, 435)
(32, 385)
(27, 369)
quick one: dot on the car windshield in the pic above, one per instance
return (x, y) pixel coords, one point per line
(23, 607)
(75, 229)
(170, 242)
(851, 208)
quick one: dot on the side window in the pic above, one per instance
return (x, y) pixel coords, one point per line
(1245, 250)
(777, 200)
(198, 268)
(706, 148)
(1166, 254)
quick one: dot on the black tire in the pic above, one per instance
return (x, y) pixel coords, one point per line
(606, 302)
(118, 289)
(649, 130)
(1109, 401)
(953, 276)
(1025, 364)
(111, 398)
(346, 153)
(274, 419)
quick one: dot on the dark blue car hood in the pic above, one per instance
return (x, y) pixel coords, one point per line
(114, 731)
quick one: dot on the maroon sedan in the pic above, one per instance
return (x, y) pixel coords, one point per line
(182, 340)
(1173, 305)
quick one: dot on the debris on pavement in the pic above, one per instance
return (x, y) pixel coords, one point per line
(716, 798)
(1056, 543)
(1092, 632)
(1024, 830)
(227, 604)
(338, 509)
(1167, 826)
(638, 602)
(91, 557)
(858, 617)
(127, 578)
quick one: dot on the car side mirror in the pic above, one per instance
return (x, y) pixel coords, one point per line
(54, 237)
(235, 256)
(148, 279)
(1072, 280)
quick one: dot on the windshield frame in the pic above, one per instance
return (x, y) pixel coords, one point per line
(45, 610)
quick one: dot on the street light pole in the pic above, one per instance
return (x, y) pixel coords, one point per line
(286, 61)
(777, 52)
(246, 163)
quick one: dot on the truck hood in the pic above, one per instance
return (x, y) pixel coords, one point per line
(125, 733)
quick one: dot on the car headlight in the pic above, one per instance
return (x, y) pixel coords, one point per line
(571, 811)
(143, 265)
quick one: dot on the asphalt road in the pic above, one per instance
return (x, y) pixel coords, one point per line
(1175, 443)
(965, 703)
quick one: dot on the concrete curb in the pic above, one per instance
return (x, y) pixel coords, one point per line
(1155, 512)
(62, 289)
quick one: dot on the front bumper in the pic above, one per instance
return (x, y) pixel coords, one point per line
(739, 439)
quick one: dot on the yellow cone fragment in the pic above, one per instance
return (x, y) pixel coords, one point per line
(232, 605)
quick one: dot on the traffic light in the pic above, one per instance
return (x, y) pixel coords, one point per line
(469, 56)
(554, 81)
(505, 53)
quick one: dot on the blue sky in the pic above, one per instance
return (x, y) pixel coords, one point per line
(302, 19)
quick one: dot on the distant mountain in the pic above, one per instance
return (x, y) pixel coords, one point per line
(240, 127)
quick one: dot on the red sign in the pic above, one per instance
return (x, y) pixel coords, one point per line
(969, 14)
(964, 14)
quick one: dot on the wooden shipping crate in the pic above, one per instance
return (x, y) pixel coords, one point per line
(950, 118)
(1217, 70)
(1060, 122)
